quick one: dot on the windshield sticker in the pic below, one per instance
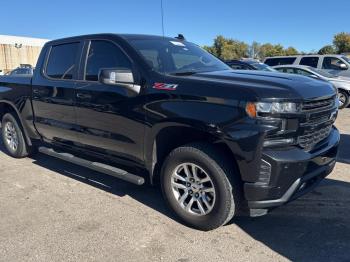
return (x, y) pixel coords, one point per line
(177, 43)
(164, 86)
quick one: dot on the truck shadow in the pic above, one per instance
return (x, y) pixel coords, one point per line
(313, 228)
(344, 149)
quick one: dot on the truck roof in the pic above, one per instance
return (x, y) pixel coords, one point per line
(104, 35)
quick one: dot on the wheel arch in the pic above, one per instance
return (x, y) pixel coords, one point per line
(8, 107)
(169, 137)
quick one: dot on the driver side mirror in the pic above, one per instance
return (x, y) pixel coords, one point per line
(119, 77)
(343, 66)
(314, 76)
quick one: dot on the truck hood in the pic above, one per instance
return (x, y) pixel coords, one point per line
(271, 85)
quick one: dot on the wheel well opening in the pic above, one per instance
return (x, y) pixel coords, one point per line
(171, 138)
(6, 108)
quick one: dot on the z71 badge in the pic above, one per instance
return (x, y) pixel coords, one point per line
(164, 86)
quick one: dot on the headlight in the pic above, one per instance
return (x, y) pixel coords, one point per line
(253, 109)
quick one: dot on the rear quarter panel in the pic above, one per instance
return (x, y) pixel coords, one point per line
(16, 92)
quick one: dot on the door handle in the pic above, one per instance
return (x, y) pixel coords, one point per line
(84, 96)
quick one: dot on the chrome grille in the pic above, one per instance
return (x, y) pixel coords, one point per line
(319, 104)
(311, 138)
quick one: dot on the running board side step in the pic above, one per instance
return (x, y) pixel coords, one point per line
(99, 167)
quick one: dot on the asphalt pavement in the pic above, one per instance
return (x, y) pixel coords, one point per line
(51, 210)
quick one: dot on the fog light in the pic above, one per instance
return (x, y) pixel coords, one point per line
(278, 142)
(265, 172)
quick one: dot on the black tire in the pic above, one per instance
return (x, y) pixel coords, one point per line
(22, 150)
(223, 175)
(346, 99)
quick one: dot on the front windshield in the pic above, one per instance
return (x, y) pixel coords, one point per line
(263, 67)
(321, 72)
(177, 57)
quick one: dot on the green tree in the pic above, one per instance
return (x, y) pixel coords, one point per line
(342, 42)
(291, 51)
(271, 50)
(327, 49)
(226, 48)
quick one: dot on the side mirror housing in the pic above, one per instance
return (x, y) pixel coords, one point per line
(343, 66)
(119, 77)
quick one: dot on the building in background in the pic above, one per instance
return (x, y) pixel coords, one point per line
(15, 50)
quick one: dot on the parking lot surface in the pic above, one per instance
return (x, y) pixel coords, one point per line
(54, 211)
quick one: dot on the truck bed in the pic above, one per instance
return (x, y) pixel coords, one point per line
(13, 88)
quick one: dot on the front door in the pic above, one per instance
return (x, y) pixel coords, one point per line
(332, 65)
(110, 120)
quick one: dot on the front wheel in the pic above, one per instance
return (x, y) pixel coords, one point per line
(200, 187)
(343, 97)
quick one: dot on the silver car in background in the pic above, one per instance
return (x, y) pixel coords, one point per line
(340, 82)
(334, 64)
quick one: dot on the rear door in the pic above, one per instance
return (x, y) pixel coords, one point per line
(309, 61)
(54, 93)
(110, 119)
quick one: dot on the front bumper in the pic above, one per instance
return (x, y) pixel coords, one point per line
(294, 172)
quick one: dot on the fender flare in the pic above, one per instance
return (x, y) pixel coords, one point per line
(26, 135)
(151, 148)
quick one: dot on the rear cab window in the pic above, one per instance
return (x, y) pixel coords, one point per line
(62, 61)
(280, 61)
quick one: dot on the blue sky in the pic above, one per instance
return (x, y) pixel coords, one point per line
(305, 24)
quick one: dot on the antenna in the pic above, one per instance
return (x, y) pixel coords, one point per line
(162, 12)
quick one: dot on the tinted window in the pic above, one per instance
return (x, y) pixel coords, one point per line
(332, 63)
(104, 54)
(309, 61)
(62, 61)
(152, 58)
(303, 72)
(286, 70)
(239, 67)
(280, 61)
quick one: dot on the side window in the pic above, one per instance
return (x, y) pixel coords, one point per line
(62, 61)
(280, 61)
(152, 58)
(303, 72)
(289, 70)
(104, 54)
(309, 61)
(237, 67)
(332, 63)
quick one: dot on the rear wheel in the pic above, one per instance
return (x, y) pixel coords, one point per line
(343, 97)
(200, 187)
(13, 137)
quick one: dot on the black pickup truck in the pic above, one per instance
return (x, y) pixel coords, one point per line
(146, 108)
